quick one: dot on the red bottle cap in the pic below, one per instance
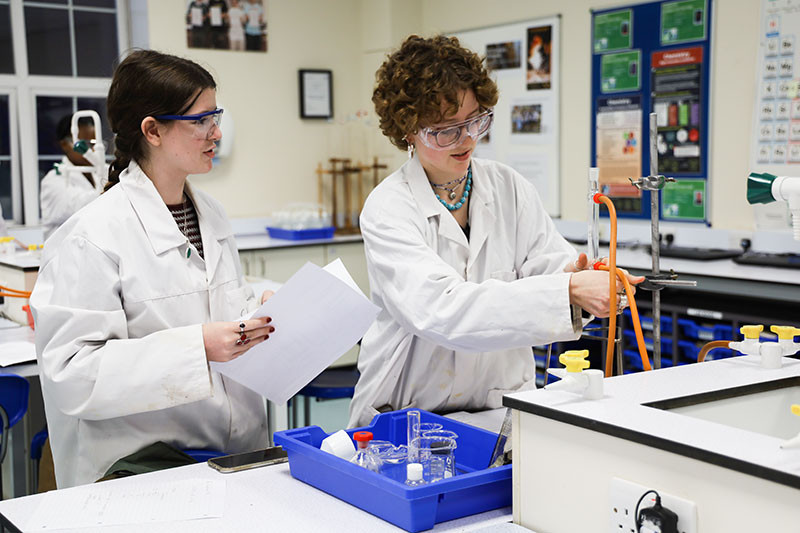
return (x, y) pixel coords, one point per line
(362, 436)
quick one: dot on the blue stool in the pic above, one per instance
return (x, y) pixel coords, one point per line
(13, 405)
(333, 383)
(201, 456)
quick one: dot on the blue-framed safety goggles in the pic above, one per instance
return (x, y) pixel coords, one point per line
(203, 122)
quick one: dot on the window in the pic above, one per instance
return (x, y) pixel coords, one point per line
(56, 56)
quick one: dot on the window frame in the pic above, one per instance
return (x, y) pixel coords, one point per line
(25, 185)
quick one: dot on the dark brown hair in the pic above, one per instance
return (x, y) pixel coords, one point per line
(146, 84)
(415, 79)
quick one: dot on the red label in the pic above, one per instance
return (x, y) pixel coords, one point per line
(683, 56)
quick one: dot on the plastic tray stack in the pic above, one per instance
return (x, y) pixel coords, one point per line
(475, 489)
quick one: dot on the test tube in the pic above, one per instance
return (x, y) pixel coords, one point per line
(593, 249)
(413, 418)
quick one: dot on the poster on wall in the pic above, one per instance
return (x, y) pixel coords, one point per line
(684, 200)
(503, 56)
(539, 52)
(619, 149)
(683, 21)
(620, 72)
(612, 31)
(641, 65)
(677, 102)
(775, 140)
(227, 24)
(523, 60)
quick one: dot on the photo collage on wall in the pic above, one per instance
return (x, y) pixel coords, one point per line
(522, 58)
(239, 25)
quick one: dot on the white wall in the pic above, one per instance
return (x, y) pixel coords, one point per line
(275, 152)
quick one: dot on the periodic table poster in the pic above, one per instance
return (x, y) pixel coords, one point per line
(775, 146)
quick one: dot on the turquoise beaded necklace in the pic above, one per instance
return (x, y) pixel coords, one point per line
(463, 200)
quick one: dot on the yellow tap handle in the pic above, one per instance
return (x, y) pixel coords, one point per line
(796, 409)
(31, 247)
(785, 332)
(574, 360)
(751, 332)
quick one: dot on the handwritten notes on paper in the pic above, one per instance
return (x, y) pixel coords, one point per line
(115, 503)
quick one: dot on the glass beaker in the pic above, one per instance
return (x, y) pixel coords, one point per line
(429, 426)
(437, 456)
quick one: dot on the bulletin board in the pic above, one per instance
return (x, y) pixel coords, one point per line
(524, 60)
(646, 58)
(775, 144)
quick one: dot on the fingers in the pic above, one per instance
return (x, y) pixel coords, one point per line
(579, 264)
(266, 295)
(252, 324)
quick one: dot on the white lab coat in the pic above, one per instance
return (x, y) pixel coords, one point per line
(62, 194)
(458, 318)
(119, 306)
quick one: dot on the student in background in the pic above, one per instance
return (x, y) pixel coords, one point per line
(236, 21)
(62, 191)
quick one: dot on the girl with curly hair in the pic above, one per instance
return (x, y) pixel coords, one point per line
(463, 260)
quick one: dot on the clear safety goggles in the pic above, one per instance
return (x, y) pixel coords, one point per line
(443, 138)
(203, 123)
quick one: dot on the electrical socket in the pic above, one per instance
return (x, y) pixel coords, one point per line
(623, 496)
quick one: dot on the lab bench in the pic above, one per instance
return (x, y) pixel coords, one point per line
(730, 464)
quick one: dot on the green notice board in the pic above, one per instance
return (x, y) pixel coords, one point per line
(684, 200)
(620, 71)
(612, 31)
(682, 21)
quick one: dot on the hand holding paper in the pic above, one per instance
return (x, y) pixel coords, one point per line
(318, 315)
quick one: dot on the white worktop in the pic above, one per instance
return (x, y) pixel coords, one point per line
(621, 413)
(261, 499)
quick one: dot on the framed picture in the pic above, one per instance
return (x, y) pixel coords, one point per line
(316, 94)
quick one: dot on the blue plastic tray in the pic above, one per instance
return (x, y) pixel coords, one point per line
(301, 234)
(475, 489)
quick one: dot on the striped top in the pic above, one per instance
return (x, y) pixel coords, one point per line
(185, 217)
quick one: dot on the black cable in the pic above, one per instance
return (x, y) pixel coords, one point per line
(636, 513)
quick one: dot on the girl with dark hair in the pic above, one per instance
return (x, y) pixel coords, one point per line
(463, 260)
(142, 288)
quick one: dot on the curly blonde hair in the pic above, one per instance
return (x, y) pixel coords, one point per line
(414, 81)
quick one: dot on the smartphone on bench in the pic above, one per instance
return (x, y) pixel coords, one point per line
(246, 460)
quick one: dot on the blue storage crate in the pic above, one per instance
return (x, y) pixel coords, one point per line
(693, 330)
(475, 489)
(634, 361)
(630, 340)
(647, 322)
(301, 234)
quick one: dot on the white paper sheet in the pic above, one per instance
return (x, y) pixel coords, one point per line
(197, 16)
(12, 353)
(112, 503)
(318, 315)
(216, 15)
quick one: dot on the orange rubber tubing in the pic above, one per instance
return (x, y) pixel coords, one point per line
(612, 281)
(710, 346)
(9, 289)
(613, 273)
(637, 326)
(12, 295)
